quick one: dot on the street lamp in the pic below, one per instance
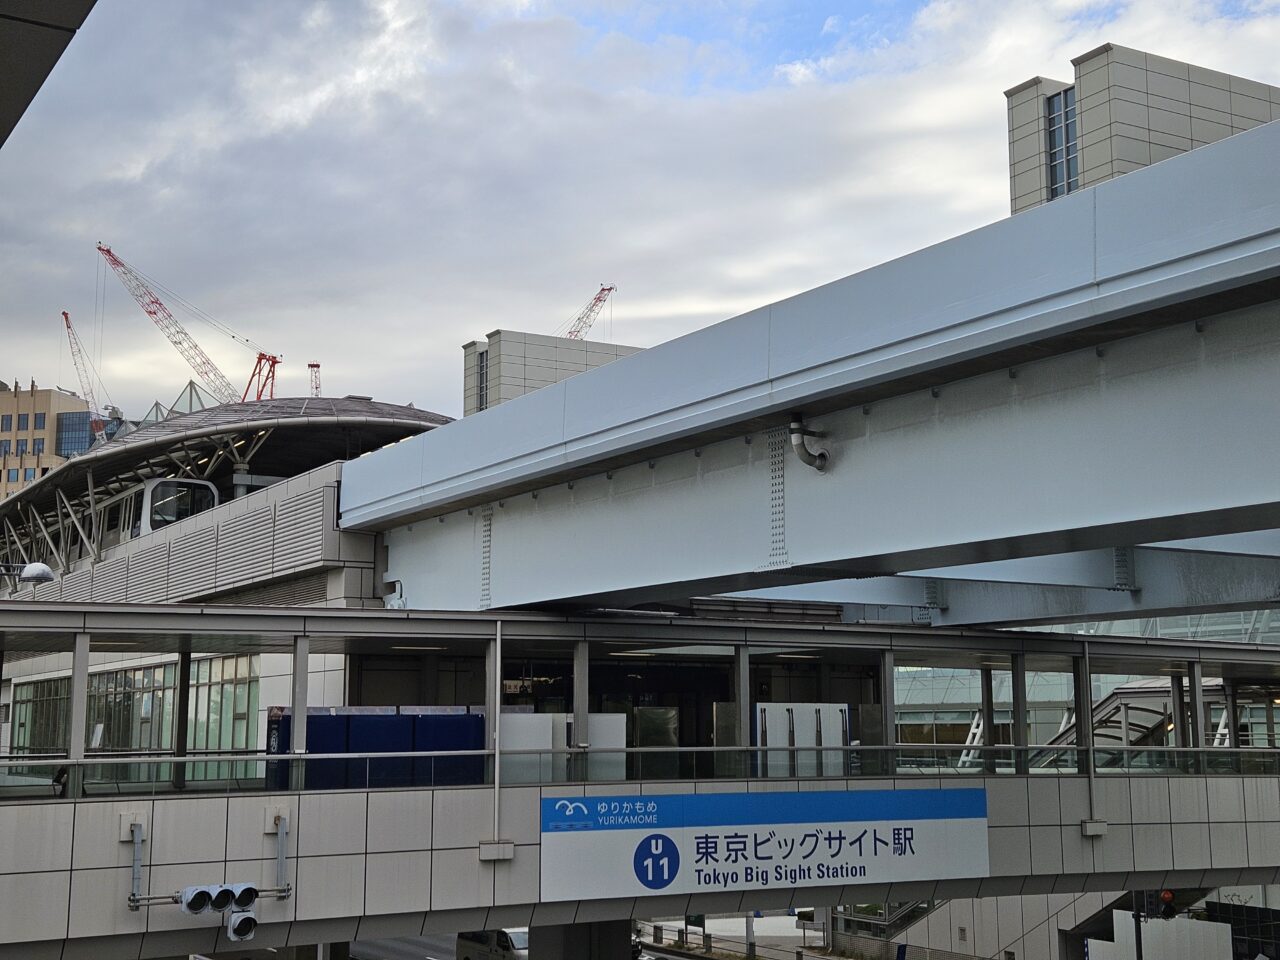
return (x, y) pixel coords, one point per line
(27, 573)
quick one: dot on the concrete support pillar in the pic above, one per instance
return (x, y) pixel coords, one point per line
(492, 684)
(79, 697)
(1195, 690)
(298, 697)
(1178, 710)
(1232, 707)
(742, 692)
(581, 692)
(988, 719)
(1018, 681)
(1271, 722)
(602, 940)
(1082, 695)
(888, 704)
(181, 719)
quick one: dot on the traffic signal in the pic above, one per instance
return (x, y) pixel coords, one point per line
(234, 899)
(241, 924)
(1168, 909)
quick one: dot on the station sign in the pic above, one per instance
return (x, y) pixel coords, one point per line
(627, 846)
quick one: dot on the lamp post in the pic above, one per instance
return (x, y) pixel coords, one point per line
(27, 572)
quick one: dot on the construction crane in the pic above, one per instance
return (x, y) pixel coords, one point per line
(314, 370)
(583, 321)
(86, 382)
(262, 382)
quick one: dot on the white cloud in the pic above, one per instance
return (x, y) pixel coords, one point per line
(372, 186)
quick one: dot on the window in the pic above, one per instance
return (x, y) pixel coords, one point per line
(1064, 164)
(11, 475)
(37, 445)
(4, 448)
(22, 447)
(29, 473)
(482, 380)
(39, 421)
(173, 501)
(23, 420)
(6, 422)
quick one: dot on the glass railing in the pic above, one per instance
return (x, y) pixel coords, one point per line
(135, 775)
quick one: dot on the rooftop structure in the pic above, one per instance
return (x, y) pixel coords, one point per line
(509, 364)
(1124, 110)
(107, 504)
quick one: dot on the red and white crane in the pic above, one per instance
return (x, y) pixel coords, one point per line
(583, 321)
(262, 382)
(96, 423)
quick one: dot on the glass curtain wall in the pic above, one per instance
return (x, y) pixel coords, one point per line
(132, 710)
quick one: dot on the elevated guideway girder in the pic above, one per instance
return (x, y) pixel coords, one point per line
(1087, 376)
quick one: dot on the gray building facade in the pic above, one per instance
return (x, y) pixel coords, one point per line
(1126, 109)
(509, 364)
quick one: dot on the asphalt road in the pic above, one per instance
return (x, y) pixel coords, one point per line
(436, 947)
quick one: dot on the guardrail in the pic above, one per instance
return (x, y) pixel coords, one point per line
(155, 774)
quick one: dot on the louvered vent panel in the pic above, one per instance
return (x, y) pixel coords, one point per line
(193, 564)
(244, 547)
(149, 575)
(299, 531)
(307, 591)
(48, 591)
(109, 579)
(78, 586)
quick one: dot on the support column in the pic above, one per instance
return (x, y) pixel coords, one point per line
(888, 704)
(1018, 680)
(602, 940)
(181, 718)
(298, 699)
(79, 697)
(492, 683)
(1082, 694)
(988, 720)
(1178, 710)
(742, 692)
(581, 693)
(1232, 707)
(1271, 721)
(1195, 689)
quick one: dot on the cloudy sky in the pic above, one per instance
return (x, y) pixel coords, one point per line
(372, 184)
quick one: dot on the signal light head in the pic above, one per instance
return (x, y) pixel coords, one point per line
(241, 925)
(195, 899)
(222, 897)
(244, 895)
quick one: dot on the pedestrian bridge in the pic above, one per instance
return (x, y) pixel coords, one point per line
(404, 848)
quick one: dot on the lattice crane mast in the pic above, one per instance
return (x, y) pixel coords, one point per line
(583, 321)
(314, 369)
(96, 423)
(262, 382)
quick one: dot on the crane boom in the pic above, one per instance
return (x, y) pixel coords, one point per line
(86, 382)
(583, 321)
(154, 308)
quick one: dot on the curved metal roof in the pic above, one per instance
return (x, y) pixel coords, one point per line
(288, 435)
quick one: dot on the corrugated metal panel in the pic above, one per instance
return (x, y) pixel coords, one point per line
(306, 591)
(109, 580)
(244, 547)
(78, 586)
(299, 530)
(193, 564)
(149, 575)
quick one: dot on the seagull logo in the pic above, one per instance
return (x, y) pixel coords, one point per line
(569, 809)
